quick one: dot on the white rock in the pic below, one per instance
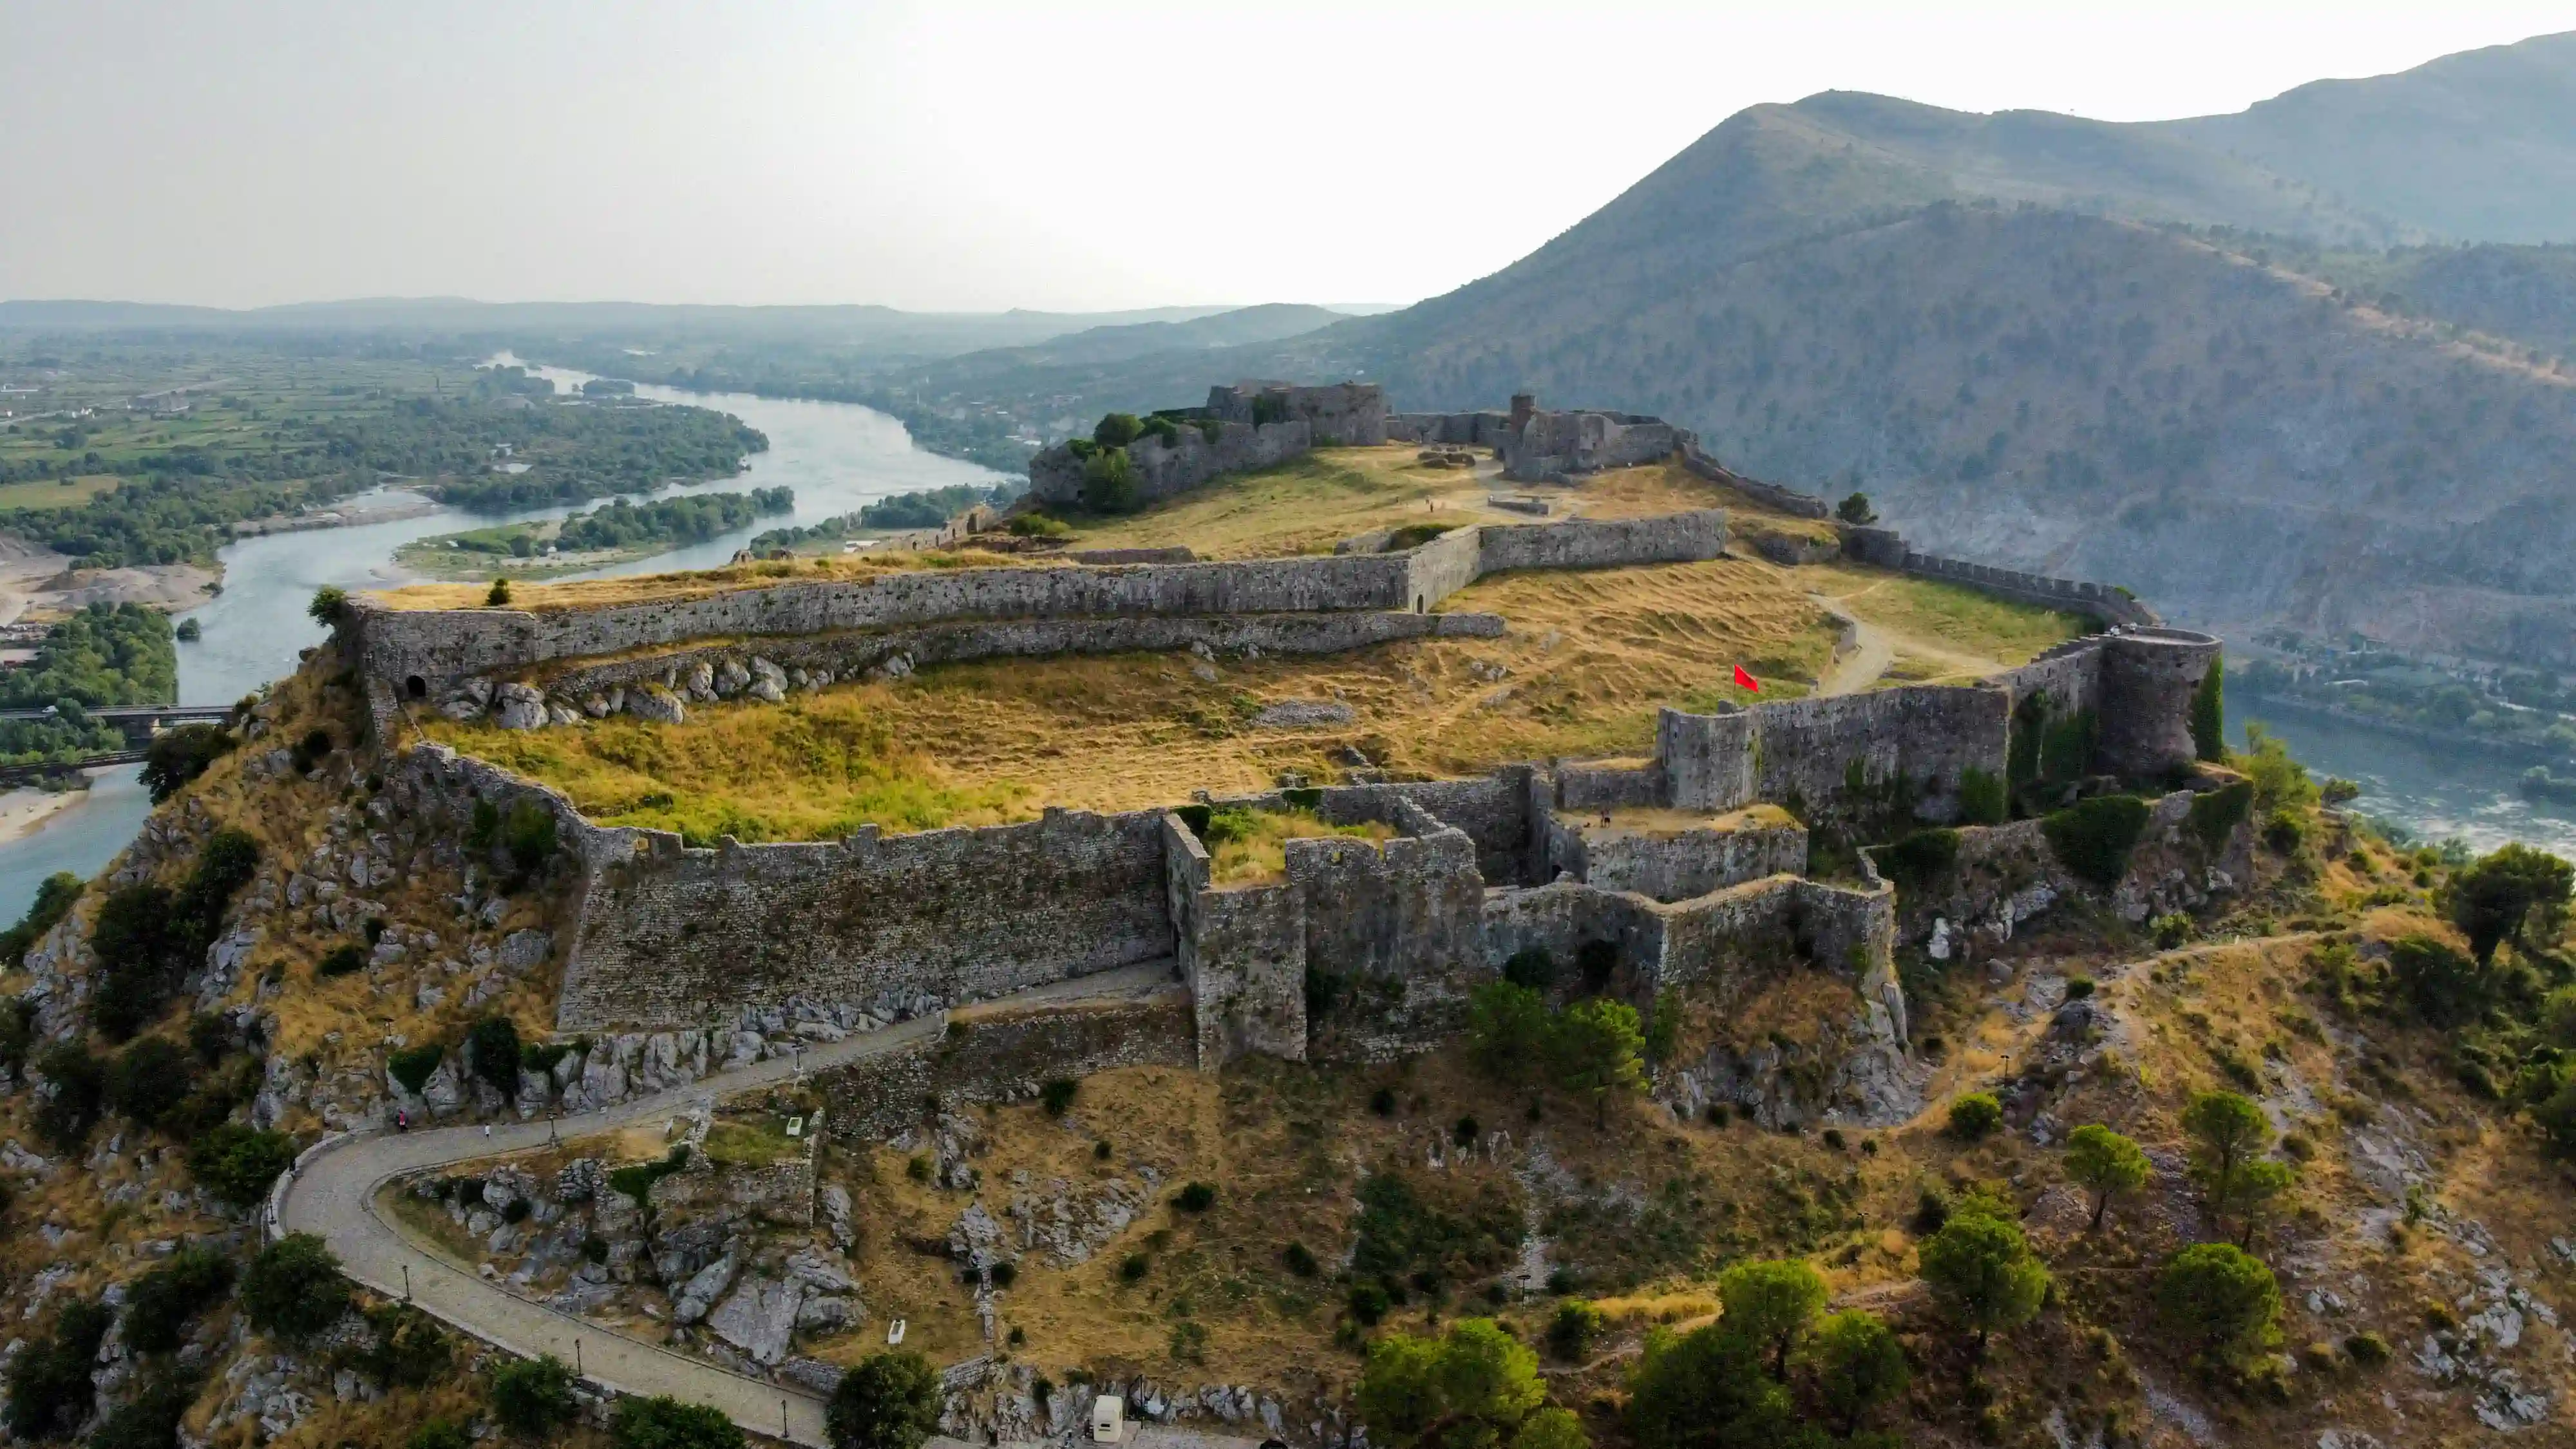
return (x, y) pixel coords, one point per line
(518, 707)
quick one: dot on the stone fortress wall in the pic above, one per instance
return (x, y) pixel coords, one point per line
(1359, 949)
(458, 660)
(1248, 425)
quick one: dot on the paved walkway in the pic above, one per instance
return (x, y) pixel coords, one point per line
(333, 1194)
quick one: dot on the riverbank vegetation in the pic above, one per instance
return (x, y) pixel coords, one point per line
(2526, 713)
(104, 655)
(618, 531)
(136, 450)
(928, 508)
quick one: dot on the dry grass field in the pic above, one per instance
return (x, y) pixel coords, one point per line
(1588, 659)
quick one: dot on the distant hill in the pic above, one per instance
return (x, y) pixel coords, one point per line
(2479, 146)
(2110, 350)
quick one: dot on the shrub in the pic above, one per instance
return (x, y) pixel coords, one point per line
(294, 1289)
(2280, 782)
(55, 896)
(310, 750)
(1300, 1260)
(2170, 930)
(1057, 1095)
(2445, 988)
(2092, 838)
(344, 960)
(2284, 833)
(498, 596)
(1983, 798)
(149, 1420)
(492, 1050)
(148, 1079)
(76, 1089)
(1508, 1028)
(2219, 1301)
(412, 1066)
(528, 834)
(49, 1389)
(889, 1401)
(1919, 859)
(1196, 1197)
(1109, 482)
(2216, 814)
(404, 1348)
(1368, 1302)
(1531, 967)
(1134, 1267)
(2367, 1350)
(2080, 987)
(636, 1179)
(1974, 1116)
(330, 605)
(663, 1422)
(1117, 430)
(533, 1396)
(2209, 714)
(237, 1164)
(179, 755)
(440, 1433)
(1570, 1334)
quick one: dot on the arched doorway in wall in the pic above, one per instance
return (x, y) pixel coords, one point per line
(416, 687)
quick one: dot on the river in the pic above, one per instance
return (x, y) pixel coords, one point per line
(835, 455)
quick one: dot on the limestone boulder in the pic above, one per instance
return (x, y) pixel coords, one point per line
(518, 707)
(522, 950)
(653, 702)
(759, 1318)
(703, 1289)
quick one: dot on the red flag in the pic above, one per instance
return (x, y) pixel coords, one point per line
(1747, 681)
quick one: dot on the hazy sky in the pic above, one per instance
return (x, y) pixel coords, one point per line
(973, 156)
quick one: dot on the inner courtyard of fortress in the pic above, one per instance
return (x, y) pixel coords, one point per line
(1688, 867)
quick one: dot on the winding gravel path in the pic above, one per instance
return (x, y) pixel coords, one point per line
(333, 1191)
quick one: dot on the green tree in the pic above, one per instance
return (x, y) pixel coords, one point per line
(1551, 1429)
(1470, 1387)
(2103, 1162)
(1974, 1116)
(492, 1049)
(1508, 1027)
(294, 1289)
(1570, 1334)
(1600, 1051)
(179, 755)
(2209, 714)
(498, 596)
(2227, 1131)
(55, 896)
(49, 1389)
(148, 1079)
(149, 1420)
(2492, 899)
(76, 1088)
(440, 1433)
(330, 605)
(2219, 1301)
(1859, 1366)
(1772, 1303)
(1707, 1390)
(2250, 1192)
(238, 1164)
(532, 1397)
(889, 1401)
(663, 1422)
(2280, 782)
(1855, 509)
(2444, 987)
(1117, 430)
(159, 1304)
(1983, 1275)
